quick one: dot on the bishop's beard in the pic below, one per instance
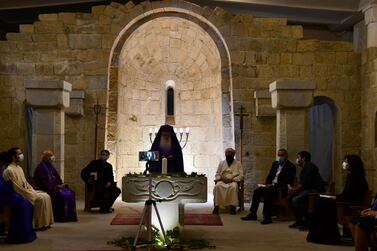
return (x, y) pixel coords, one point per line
(165, 145)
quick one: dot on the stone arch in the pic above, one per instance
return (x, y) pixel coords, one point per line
(188, 12)
(335, 175)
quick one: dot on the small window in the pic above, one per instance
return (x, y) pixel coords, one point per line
(170, 101)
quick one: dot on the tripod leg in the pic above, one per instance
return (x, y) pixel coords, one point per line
(162, 227)
(140, 224)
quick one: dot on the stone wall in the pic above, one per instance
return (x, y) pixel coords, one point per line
(369, 112)
(76, 47)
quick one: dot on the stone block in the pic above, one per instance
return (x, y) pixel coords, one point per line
(26, 28)
(67, 68)
(44, 69)
(62, 41)
(96, 82)
(291, 93)
(99, 9)
(67, 18)
(263, 107)
(47, 93)
(84, 41)
(48, 27)
(76, 107)
(18, 37)
(48, 17)
(307, 45)
(270, 21)
(44, 37)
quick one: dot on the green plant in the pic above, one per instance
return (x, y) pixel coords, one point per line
(174, 237)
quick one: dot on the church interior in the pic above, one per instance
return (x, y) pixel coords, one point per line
(80, 76)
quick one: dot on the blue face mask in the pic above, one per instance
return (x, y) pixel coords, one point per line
(280, 159)
(104, 157)
(298, 162)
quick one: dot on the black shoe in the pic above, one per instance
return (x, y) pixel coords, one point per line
(108, 211)
(42, 228)
(215, 210)
(250, 216)
(266, 221)
(296, 224)
(233, 210)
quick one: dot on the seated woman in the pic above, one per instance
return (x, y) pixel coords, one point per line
(323, 226)
(63, 199)
(20, 229)
(364, 226)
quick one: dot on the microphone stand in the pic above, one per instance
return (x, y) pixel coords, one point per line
(146, 216)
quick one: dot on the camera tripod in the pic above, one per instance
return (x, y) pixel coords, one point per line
(146, 218)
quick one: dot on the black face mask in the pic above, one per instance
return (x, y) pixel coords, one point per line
(229, 159)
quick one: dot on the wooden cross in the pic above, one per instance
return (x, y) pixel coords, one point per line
(241, 114)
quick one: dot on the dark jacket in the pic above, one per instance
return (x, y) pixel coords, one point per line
(286, 176)
(104, 173)
(310, 178)
(354, 190)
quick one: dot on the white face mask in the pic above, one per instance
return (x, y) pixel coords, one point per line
(52, 158)
(20, 157)
(345, 166)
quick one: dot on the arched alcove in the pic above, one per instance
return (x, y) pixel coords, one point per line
(324, 138)
(209, 117)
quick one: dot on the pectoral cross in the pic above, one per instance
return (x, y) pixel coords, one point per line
(241, 114)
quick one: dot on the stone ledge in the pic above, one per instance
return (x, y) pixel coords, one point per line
(291, 93)
(263, 107)
(47, 93)
(76, 107)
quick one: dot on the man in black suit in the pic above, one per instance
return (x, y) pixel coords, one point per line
(310, 181)
(100, 172)
(281, 174)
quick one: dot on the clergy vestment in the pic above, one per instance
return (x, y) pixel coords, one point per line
(173, 154)
(63, 200)
(43, 214)
(20, 229)
(226, 194)
(103, 171)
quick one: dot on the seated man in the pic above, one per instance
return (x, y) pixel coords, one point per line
(281, 174)
(100, 172)
(229, 172)
(166, 143)
(310, 181)
(20, 229)
(47, 179)
(43, 213)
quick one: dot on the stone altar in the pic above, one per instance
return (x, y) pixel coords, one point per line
(170, 193)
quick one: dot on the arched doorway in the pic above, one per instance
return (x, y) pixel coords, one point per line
(157, 48)
(324, 137)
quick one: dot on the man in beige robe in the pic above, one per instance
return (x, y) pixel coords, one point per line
(43, 214)
(229, 172)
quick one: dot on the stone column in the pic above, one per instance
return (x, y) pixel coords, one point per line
(48, 98)
(291, 98)
(370, 18)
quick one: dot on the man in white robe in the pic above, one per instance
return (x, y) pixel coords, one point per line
(229, 173)
(43, 215)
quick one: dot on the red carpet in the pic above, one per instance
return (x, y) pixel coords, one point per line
(190, 219)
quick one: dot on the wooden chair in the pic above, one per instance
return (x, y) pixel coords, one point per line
(241, 196)
(345, 210)
(90, 197)
(5, 216)
(280, 207)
